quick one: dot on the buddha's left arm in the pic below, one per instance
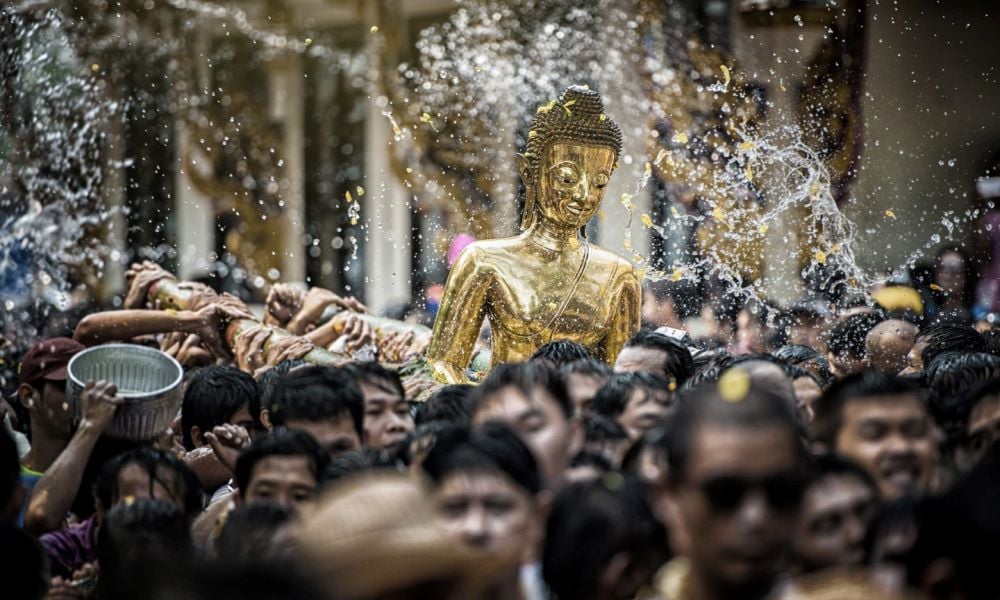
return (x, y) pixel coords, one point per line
(626, 317)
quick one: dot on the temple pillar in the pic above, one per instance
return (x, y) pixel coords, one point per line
(285, 107)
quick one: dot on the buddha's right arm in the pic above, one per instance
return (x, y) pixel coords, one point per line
(459, 318)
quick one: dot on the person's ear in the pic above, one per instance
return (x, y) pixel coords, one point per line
(265, 419)
(196, 437)
(27, 396)
(524, 169)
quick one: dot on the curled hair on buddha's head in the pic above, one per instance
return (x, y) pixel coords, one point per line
(576, 117)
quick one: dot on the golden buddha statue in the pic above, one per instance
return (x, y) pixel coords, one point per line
(549, 282)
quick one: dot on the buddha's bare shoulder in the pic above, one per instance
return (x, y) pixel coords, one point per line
(623, 268)
(484, 253)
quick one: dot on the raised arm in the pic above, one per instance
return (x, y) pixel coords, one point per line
(459, 318)
(625, 321)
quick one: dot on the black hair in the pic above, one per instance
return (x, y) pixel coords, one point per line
(347, 464)
(684, 295)
(448, 403)
(948, 337)
(705, 406)
(829, 408)
(561, 352)
(710, 369)
(426, 434)
(24, 569)
(798, 355)
(599, 428)
(136, 538)
(991, 339)
(613, 397)
(248, 534)
(270, 377)
(316, 393)
(525, 377)
(223, 580)
(282, 442)
(491, 448)
(847, 337)
(591, 459)
(589, 524)
(678, 364)
(826, 465)
(153, 462)
(375, 374)
(10, 468)
(587, 366)
(951, 373)
(212, 396)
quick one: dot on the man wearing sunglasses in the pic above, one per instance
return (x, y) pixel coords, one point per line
(734, 485)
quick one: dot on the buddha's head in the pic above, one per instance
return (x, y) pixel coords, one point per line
(573, 148)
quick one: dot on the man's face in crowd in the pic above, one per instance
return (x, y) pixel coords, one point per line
(807, 331)
(285, 480)
(645, 410)
(49, 406)
(387, 417)
(836, 511)
(737, 505)
(984, 426)
(243, 418)
(335, 435)
(892, 438)
(135, 483)
(489, 512)
(582, 389)
(637, 358)
(807, 391)
(538, 420)
(888, 345)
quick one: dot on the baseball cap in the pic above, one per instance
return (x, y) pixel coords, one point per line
(47, 360)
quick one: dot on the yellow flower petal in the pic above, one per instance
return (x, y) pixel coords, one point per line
(677, 275)
(936, 287)
(820, 257)
(747, 146)
(734, 385)
(762, 229)
(680, 137)
(726, 74)
(749, 172)
(361, 191)
(718, 214)
(890, 214)
(347, 194)
(646, 220)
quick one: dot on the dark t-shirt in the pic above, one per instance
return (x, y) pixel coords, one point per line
(72, 547)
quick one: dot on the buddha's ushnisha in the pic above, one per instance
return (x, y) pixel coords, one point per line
(549, 282)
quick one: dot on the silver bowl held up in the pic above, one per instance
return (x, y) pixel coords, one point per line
(148, 380)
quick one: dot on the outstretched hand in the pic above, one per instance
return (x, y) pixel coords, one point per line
(98, 402)
(227, 441)
(140, 277)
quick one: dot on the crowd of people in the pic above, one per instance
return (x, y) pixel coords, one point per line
(833, 450)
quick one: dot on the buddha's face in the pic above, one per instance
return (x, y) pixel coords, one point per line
(572, 181)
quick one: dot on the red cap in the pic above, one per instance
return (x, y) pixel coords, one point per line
(47, 360)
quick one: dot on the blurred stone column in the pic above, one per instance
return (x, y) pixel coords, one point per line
(285, 106)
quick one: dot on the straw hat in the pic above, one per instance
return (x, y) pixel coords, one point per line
(378, 533)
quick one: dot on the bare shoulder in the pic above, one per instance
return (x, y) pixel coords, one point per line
(481, 256)
(624, 270)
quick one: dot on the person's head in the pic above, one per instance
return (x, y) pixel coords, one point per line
(846, 342)
(356, 462)
(808, 318)
(735, 478)
(387, 417)
(560, 353)
(147, 474)
(257, 532)
(569, 159)
(137, 538)
(602, 540)
(42, 386)
(882, 423)
(214, 396)
(324, 402)
(981, 404)
(667, 303)
(12, 493)
(531, 399)
(639, 401)
(657, 354)
(448, 403)
(267, 382)
(940, 338)
(768, 373)
(949, 375)
(808, 358)
(583, 378)
(837, 506)
(951, 272)
(284, 467)
(485, 487)
(888, 343)
(604, 436)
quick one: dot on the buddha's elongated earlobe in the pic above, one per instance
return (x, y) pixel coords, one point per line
(530, 185)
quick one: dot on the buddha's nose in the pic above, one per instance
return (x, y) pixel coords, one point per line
(582, 189)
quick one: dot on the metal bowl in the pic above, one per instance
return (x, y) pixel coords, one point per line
(148, 380)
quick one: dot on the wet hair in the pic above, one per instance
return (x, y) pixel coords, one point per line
(282, 442)
(135, 539)
(825, 466)
(525, 377)
(449, 403)
(678, 364)
(24, 569)
(948, 337)
(347, 464)
(270, 377)
(154, 463)
(587, 366)
(224, 580)
(951, 373)
(847, 337)
(992, 340)
(249, 531)
(869, 384)
(374, 374)
(798, 355)
(704, 406)
(613, 397)
(590, 523)
(212, 396)
(709, 370)
(316, 393)
(599, 428)
(683, 293)
(560, 353)
(492, 448)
